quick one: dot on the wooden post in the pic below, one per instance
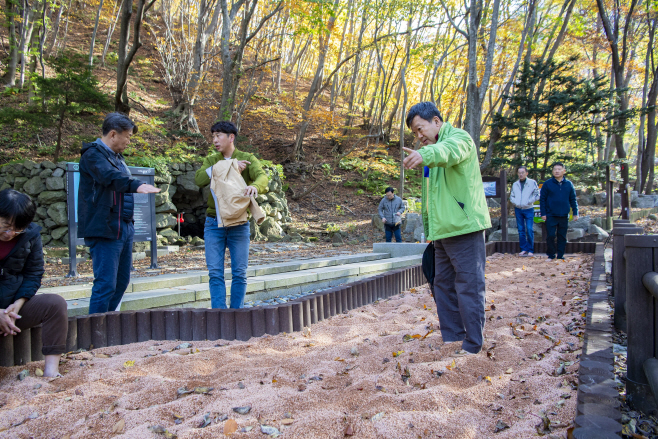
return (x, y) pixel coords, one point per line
(625, 201)
(503, 204)
(641, 308)
(619, 271)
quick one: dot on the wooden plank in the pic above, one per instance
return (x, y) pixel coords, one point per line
(641, 241)
(639, 309)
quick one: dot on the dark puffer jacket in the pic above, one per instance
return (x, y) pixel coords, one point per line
(21, 270)
(105, 197)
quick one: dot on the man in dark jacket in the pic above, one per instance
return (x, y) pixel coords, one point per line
(557, 197)
(390, 211)
(105, 211)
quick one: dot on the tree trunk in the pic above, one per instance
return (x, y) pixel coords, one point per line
(93, 34)
(10, 12)
(650, 151)
(58, 20)
(26, 38)
(496, 131)
(66, 28)
(110, 31)
(618, 66)
(323, 40)
(121, 102)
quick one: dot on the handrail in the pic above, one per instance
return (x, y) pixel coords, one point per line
(650, 281)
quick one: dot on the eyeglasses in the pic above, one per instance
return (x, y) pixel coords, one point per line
(11, 231)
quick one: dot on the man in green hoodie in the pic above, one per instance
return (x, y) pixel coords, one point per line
(455, 215)
(235, 238)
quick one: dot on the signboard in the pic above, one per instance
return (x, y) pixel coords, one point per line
(144, 213)
(491, 187)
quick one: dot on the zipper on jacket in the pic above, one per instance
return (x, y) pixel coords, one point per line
(115, 200)
(459, 205)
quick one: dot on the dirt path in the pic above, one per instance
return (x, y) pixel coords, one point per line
(353, 373)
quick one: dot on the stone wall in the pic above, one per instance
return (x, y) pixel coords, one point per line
(45, 182)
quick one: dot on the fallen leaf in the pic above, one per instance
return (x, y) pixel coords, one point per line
(183, 391)
(268, 429)
(378, 416)
(500, 426)
(242, 410)
(203, 390)
(286, 421)
(129, 363)
(509, 371)
(349, 431)
(230, 426)
(38, 372)
(119, 426)
(23, 374)
(102, 356)
(398, 353)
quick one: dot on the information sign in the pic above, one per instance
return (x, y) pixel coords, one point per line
(144, 212)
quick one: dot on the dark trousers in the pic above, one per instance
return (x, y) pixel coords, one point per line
(48, 310)
(459, 289)
(112, 260)
(559, 224)
(390, 230)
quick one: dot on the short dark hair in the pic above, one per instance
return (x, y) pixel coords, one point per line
(389, 189)
(521, 167)
(118, 122)
(224, 126)
(426, 110)
(557, 164)
(17, 208)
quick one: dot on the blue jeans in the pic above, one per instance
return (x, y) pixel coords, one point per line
(524, 222)
(112, 260)
(389, 233)
(236, 238)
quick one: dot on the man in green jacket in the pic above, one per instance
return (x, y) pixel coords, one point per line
(236, 238)
(455, 215)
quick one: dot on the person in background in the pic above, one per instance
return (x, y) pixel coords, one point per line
(558, 196)
(455, 215)
(390, 211)
(105, 211)
(235, 238)
(21, 270)
(524, 194)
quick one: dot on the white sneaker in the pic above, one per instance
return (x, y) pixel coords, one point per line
(523, 253)
(531, 254)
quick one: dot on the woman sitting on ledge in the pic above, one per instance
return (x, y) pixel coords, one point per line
(21, 270)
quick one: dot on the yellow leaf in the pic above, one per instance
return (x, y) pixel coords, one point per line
(416, 336)
(38, 372)
(129, 363)
(119, 426)
(338, 359)
(230, 426)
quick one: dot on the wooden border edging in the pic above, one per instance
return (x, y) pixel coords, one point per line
(196, 324)
(598, 396)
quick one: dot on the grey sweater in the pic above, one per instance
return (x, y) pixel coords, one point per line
(388, 208)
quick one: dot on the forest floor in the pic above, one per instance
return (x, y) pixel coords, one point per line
(379, 371)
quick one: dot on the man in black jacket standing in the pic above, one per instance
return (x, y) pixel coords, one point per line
(556, 198)
(105, 211)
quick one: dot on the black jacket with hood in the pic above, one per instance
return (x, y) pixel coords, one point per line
(22, 269)
(105, 199)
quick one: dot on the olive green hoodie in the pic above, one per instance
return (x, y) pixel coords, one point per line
(453, 196)
(253, 174)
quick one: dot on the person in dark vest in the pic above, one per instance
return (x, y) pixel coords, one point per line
(105, 211)
(21, 270)
(390, 211)
(557, 197)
